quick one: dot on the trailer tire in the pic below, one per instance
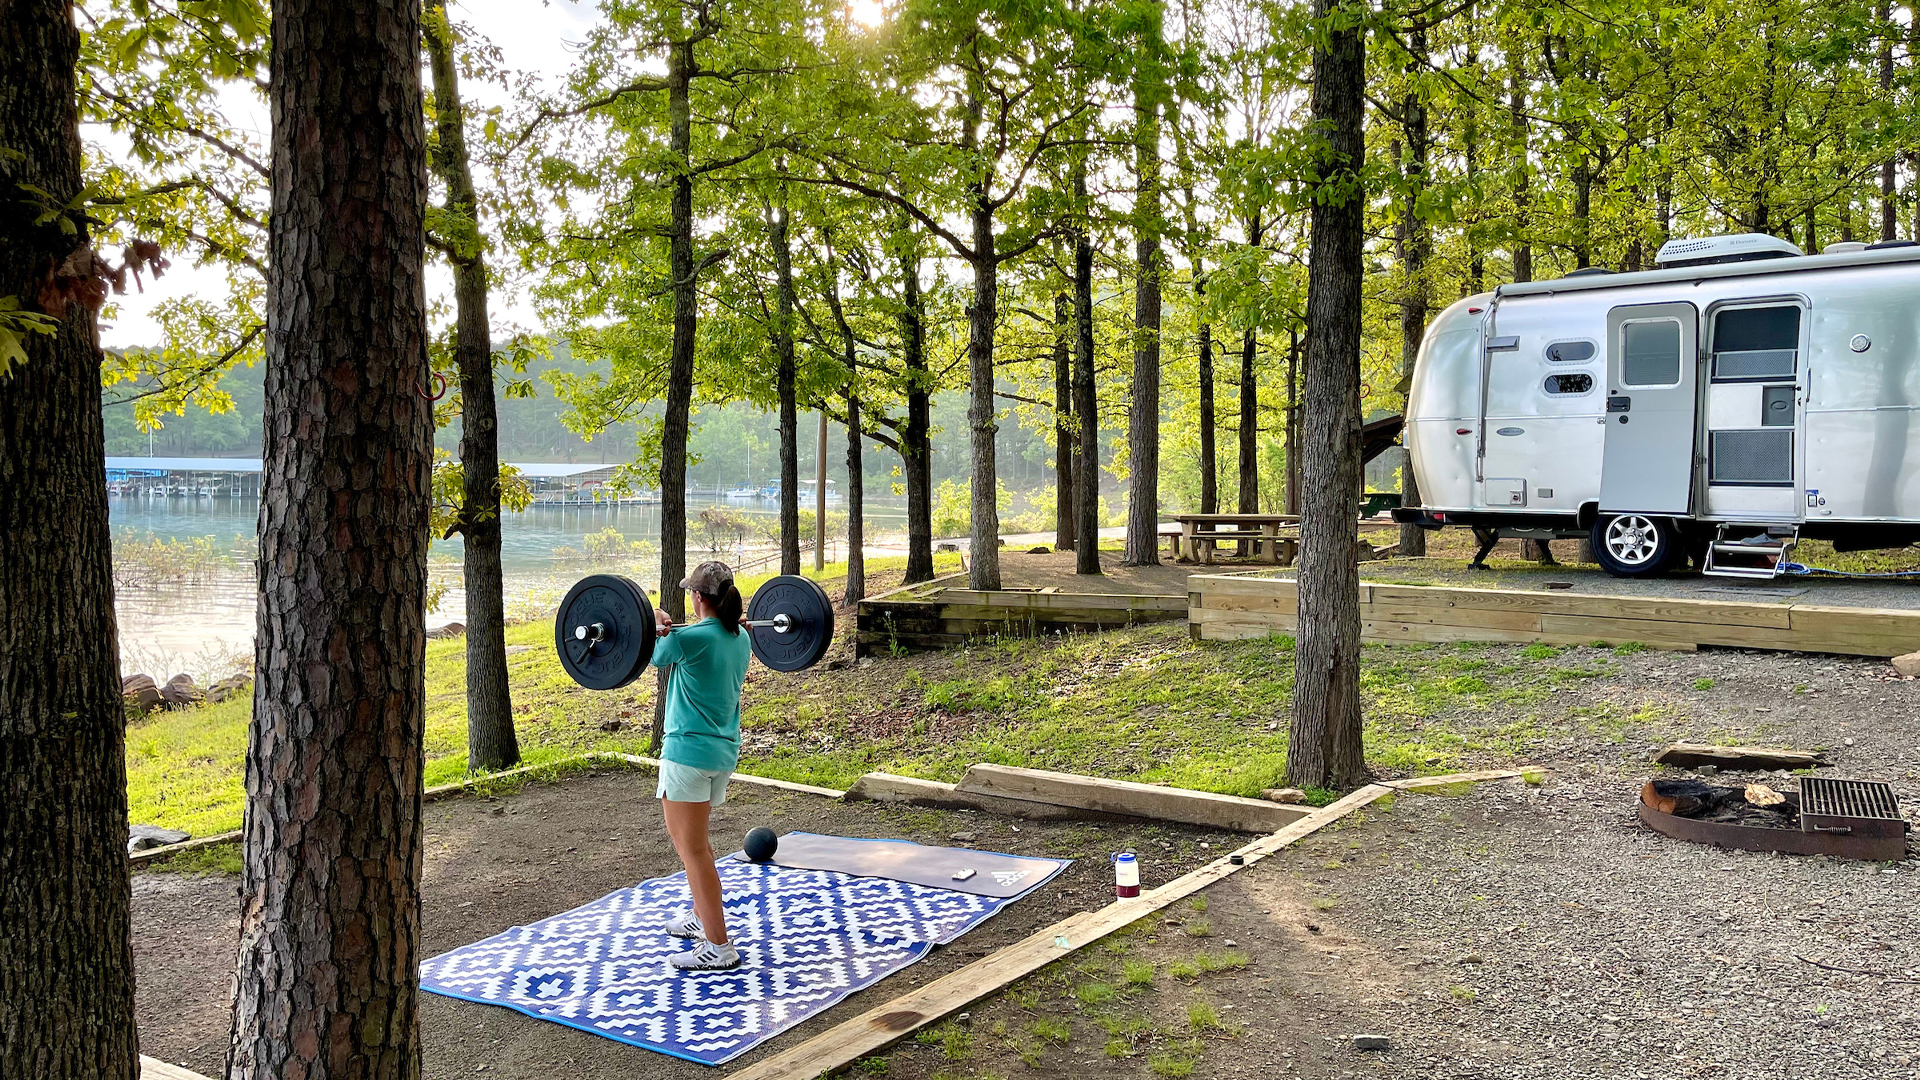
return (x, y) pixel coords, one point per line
(1635, 545)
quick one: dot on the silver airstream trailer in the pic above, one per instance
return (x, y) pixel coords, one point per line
(1719, 408)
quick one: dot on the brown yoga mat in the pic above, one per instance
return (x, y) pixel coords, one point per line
(996, 875)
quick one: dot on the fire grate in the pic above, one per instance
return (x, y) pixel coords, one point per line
(1825, 796)
(1859, 809)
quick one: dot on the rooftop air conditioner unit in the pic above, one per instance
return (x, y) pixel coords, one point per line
(1711, 250)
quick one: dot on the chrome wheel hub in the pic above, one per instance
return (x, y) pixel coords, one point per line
(1632, 539)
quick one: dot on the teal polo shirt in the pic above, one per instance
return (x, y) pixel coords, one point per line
(703, 694)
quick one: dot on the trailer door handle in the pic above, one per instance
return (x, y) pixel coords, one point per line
(1619, 403)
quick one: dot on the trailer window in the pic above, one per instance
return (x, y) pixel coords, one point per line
(1570, 352)
(1572, 383)
(1756, 343)
(1650, 353)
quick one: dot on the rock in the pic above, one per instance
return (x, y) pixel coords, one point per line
(962, 837)
(180, 693)
(141, 691)
(946, 547)
(229, 687)
(451, 630)
(142, 837)
(1908, 665)
(1372, 1042)
(1041, 550)
(1292, 796)
(1708, 770)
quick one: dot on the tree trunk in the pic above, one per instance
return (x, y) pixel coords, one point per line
(1209, 467)
(327, 982)
(1292, 502)
(1063, 451)
(1582, 213)
(1249, 498)
(1086, 498)
(916, 440)
(1522, 172)
(1324, 747)
(856, 493)
(66, 966)
(686, 306)
(782, 334)
(1414, 238)
(491, 743)
(1143, 418)
(1889, 215)
(983, 571)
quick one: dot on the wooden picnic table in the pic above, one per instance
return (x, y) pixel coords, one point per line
(1200, 532)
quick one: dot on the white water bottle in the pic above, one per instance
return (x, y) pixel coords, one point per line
(1126, 874)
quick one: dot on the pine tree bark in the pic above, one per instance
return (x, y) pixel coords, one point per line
(1209, 465)
(1414, 238)
(1889, 213)
(1291, 502)
(856, 494)
(916, 439)
(782, 334)
(983, 316)
(1063, 423)
(1143, 417)
(330, 895)
(675, 424)
(491, 742)
(66, 965)
(1522, 171)
(1086, 474)
(1324, 747)
(1249, 433)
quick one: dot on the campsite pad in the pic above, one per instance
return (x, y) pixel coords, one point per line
(807, 938)
(1000, 876)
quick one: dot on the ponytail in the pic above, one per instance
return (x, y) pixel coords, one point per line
(727, 608)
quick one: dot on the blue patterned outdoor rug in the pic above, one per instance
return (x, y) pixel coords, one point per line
(807, 938)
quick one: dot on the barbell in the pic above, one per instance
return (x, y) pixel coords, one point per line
(605, 630)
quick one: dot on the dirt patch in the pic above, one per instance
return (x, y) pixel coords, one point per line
(496, 863)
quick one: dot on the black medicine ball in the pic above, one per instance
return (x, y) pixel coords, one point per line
(761, 844)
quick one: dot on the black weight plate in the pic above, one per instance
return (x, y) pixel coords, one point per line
(810, 626)
(623, 611)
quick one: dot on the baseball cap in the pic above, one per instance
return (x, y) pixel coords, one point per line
(709, 579)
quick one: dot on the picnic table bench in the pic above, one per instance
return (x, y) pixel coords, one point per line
(1198, 533)
(1276, 536)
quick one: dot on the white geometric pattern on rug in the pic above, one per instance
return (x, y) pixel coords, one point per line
(807, 938)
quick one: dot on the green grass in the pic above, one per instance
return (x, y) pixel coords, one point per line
(1141, 704)
(1052, 1029)
(1138, 973)
(1202, 1017)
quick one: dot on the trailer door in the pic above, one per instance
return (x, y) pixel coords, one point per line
(1653, 367)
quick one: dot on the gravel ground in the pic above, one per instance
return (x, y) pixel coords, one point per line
(1546, 933)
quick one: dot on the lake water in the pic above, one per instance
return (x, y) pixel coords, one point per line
(205, 625)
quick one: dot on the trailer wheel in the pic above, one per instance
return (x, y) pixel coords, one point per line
(1634, 545)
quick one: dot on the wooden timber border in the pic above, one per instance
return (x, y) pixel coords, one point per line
(1229, 607)
(933, 616)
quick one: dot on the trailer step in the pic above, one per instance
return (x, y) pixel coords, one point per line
(1759, 555)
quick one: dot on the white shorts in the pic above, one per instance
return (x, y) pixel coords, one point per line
(684, 783)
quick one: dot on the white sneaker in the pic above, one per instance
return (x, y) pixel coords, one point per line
(706, 957)
(685, 925)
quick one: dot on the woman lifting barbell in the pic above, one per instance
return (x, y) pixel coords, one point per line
(701, 747)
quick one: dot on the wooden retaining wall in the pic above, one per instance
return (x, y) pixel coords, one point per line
(928, 618)
(1230, 607)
